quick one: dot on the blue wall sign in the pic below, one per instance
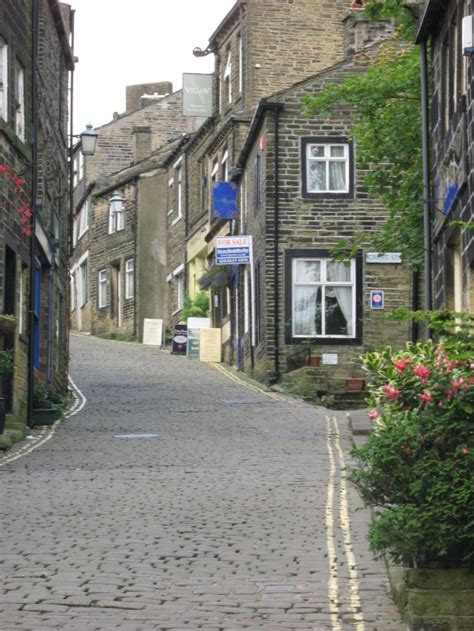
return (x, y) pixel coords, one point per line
(377, 299)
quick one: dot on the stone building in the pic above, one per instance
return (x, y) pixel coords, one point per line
(452, 135)
(259, 47)
(34, 210)
(119, 242)
(301, 192)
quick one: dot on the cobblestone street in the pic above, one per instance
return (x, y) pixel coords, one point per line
(232, 513)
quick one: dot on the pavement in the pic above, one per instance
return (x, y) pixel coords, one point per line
(178, 495)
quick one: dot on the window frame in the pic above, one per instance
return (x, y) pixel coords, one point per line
(3, 78)
(327, 141)
(129, 278)
(102, 288)
(19, 100)
(356, 282)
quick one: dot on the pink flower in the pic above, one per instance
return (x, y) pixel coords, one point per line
(401, 364)
(373, 415)
(426, 397)
(391, 392)
(422, 372)
(460, 383)
(465, 450)
(4, 168)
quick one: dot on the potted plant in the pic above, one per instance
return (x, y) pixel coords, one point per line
(314, 361)
(7, 324)
(355, 384)
(46, 405)
(417, 467)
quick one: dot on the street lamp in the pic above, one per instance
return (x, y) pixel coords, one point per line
(116, 203)
(88, 140)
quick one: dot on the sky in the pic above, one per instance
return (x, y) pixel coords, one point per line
(124, 42)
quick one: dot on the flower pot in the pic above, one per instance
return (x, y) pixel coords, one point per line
(314, 361)
(7, 325)
(44, 416)
(355, 384)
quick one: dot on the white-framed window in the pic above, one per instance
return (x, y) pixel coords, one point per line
(102, 288)
(84, 278)
(326, 168)
(180, 291)
(170, 196)
(3, 79)
(72, 288)
(227, 80)
(19, 100)
(323, 298)
(241, 63)
(116, 213)
(179, 192)
(225, 166)
(82, 220)
(129, 278)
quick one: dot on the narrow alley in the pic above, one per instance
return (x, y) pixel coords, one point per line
(178, 496)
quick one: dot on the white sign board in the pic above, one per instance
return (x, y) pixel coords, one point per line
(198, 323)
(210, 345)
(152, 332)
(329, 359)
(383, 257)
(234, 250)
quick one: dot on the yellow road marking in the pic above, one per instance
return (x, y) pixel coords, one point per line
(355, 602)
(333, 587)
(250, 386)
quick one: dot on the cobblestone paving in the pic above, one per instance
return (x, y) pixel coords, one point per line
(236, 516)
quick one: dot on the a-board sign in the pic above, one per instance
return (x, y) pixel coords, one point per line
(194, 335)
(152, 332)
(180, 339)
(211, 347)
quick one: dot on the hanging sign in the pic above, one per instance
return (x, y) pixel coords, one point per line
(224, 200)
(377, 299)
(234, 250)
(197, 95)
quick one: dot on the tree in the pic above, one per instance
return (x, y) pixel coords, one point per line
(387, 132)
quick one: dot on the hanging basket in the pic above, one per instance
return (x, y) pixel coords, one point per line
(7, 324)
(216, 278)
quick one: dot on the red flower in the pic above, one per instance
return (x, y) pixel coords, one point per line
(373, 415)
(4, 168)
(422, 372)
(426, 397)
(391, 392)
(401, 364)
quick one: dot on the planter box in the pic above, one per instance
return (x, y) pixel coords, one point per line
(44, 416)
(7, 325)
(355, 384)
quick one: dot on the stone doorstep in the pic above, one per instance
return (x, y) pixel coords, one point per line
(359, 422)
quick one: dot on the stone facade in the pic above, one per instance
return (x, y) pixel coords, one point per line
(40, 114)
(305, 226)
(453, 153)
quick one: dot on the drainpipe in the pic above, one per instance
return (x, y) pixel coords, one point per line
(428, 301)
(276, 238)
(34, 192)
(71, 203)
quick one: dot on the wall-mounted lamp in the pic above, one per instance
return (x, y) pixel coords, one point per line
(88, 140)
(116, 203)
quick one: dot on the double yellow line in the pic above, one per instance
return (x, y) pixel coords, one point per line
(336, 462)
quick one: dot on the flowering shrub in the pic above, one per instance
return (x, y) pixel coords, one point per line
(417, 467)
(15, 188)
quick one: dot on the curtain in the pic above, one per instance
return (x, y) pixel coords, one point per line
(344, 300)
(337, 176)
(307, 306)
